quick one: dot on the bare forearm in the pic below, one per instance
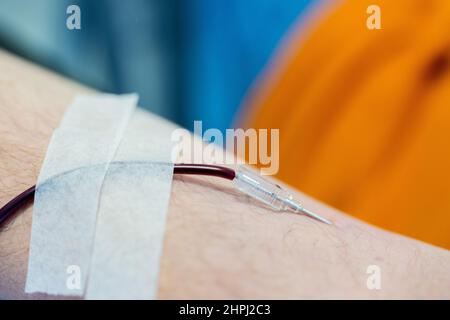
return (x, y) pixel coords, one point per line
(218, 243)
(241, 250)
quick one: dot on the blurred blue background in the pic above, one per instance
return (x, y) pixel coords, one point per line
(188, 60)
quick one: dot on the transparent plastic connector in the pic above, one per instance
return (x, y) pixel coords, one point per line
(269, 193)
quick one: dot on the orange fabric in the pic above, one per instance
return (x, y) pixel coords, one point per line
(364, 115)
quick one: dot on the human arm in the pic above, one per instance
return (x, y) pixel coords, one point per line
(218, 243)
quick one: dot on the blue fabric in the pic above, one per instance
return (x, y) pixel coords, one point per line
(228, 43)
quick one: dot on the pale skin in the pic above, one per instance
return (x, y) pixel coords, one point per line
(218, 243)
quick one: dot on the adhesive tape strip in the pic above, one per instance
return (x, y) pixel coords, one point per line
(132, 213)
(68, 190)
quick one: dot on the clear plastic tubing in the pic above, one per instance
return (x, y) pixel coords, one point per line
(269, 193)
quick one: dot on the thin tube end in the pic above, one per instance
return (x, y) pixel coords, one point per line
(298, 208)
(315, 216)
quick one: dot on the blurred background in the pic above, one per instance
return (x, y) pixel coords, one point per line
(188, 60)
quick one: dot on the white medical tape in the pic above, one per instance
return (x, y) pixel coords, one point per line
(68, 190)
(132, 213)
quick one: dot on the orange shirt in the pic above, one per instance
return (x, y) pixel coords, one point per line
(364, 115)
